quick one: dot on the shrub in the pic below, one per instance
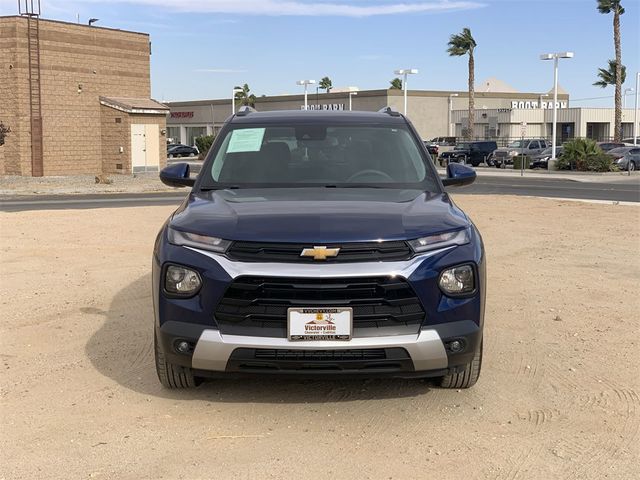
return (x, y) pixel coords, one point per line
(599, 162)
(576, 152)
(204, 143)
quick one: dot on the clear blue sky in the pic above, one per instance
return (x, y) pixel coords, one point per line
(202, 48)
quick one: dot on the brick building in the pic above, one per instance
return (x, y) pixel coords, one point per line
(76, 98)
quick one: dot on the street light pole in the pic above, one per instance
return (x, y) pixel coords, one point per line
(555, 57)
(351, 94)
(635, 115)
(233, 99)
(306, 83)
(404, 72)
(449, 134)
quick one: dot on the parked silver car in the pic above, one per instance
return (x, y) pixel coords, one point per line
(630, 160)
(529, 147)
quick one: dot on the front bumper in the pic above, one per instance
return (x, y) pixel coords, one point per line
(424, 351)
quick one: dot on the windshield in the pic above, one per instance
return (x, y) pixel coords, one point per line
(461, 146)
(518, 144)
(318, 155)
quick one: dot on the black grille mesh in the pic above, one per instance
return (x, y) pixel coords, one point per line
(255, 303)
(290, 252)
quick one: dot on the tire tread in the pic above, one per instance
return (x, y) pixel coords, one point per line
(466, 378)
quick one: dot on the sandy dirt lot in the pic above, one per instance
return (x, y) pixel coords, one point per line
(558, 397)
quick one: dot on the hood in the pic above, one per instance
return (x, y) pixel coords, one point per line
(318, 215)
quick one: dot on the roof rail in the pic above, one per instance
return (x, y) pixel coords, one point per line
(245, 110)
(389, 111)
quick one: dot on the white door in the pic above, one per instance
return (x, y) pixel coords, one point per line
(138, 148)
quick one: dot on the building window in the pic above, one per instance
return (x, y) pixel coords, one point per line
(118, 120)
(173, 134)
(193, 133)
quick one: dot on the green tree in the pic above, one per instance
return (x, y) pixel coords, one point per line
(462, 44)
(396, 84)
(326, 84)
(244, 97)
(607, 76)
(3, 132)
(606, 7)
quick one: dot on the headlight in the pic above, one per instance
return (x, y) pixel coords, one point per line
(457, 280)
(214, 244)
(545, 159)
(447, 239)
(513, 153)
(181, 281)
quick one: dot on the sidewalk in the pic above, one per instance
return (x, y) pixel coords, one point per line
(587, 177)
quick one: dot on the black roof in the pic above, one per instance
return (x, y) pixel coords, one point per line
(317, 116)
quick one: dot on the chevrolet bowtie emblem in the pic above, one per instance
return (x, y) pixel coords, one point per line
(320, 253)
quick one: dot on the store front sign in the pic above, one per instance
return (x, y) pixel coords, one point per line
(181, 114)
(326, 106)
(529, 104)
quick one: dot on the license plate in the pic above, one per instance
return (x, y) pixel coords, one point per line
(320, 323)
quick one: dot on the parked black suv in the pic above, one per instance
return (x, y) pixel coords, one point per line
(469, 152)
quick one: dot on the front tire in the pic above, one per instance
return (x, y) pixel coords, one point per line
(170, 375)
(468, 377)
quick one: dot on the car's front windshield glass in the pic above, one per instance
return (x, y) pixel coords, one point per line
(318, 155)
(517, 144)
(461, 146)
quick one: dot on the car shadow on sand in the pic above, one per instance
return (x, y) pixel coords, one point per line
(122, 349)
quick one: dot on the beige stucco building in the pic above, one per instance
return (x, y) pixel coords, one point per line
(433, 113)
(77, 100)
(514, 122)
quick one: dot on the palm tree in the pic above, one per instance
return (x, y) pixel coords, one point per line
(605, 7)
(326, 84)
(245, 98)
(459, 45)
(608, 77)
(396, 84)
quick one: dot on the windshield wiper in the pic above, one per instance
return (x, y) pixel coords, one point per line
(354, 186)
(226, 187)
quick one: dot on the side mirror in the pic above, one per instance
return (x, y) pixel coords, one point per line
(177, 175)
(459, 175)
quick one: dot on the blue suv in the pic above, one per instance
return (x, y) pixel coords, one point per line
(318, 243)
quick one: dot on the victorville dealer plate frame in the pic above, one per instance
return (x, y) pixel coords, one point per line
(315, 324)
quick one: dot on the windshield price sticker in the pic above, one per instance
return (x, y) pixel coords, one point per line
(246, 140)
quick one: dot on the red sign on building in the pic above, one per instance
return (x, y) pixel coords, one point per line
(181, 114)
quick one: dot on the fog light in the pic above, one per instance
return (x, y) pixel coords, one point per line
(456, 346)
(182, 347)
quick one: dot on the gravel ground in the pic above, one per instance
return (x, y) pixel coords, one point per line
(557, 398)
(81, 184)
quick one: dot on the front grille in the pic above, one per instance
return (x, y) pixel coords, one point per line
(320, 355)
(258, 305)
(366, 360)
(349, 252)
(501, 154)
